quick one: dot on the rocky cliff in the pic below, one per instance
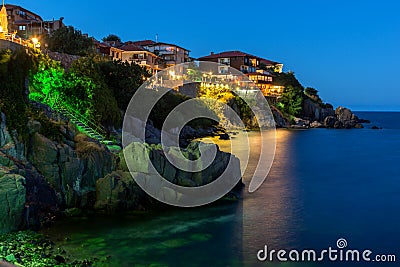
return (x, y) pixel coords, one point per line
(45, 177)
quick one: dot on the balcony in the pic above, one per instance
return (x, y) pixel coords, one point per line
(164, 52)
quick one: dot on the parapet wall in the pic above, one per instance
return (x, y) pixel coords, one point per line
(5, 44)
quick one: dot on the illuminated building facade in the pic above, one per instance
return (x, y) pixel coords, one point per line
(254, 67)
(136, 54)
(27, 24)
(170, 54)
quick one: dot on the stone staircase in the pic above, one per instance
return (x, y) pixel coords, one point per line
(84, 125)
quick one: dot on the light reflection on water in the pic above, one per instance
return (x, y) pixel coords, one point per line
(324, 185)
(267, 213)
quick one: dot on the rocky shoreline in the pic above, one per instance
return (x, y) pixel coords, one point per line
(314, 116)
(48, 178)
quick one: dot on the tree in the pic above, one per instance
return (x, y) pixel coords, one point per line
(14, 69)
(89, 93)
(123, 79)
(70, 41)
(291, 101)
(112, 38)
(311, 91)
(287, 79)
(47, 81)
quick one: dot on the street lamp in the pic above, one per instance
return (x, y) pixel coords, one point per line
(35, 42)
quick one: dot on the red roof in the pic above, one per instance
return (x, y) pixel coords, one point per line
(268, 62)
(131, 47)
(229, 54)
(9, 6)
(143, 42)
(152, 43)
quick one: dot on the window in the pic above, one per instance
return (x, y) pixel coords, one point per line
(22, 28)
(223, 69)
(225, 61)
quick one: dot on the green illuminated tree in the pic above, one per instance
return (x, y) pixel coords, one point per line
(48, 80)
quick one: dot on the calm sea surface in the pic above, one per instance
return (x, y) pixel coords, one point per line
(324, 185)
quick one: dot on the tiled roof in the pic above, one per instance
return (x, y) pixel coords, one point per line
(237, 53)
(131, 47)
(152, 43)
(9, 6)
(143, 42)
(268, 62)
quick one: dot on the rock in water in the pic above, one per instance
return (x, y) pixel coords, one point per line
(346, 118)
(316, 124)
(329, 122)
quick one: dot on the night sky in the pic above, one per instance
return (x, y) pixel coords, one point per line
(348, 50)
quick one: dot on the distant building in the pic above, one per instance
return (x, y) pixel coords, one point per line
(109, 51)
(256, 68)
(136, 54)
(171, 54)
(27, 23)
(264, 80)
(242, 61)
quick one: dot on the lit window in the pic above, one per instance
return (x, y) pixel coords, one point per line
(22, 28)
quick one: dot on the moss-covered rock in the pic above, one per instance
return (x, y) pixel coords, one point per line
(72, 171)
(118, 191)
(12, 199)
(32, 249)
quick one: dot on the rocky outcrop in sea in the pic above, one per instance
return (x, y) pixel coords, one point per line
(316, 116)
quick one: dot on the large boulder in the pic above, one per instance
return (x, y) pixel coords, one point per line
(280, 120)
(44, 155)
(119, 190)
(346, 118)
(72, 171)
(330, 121)
(12, 199)
(344, 114)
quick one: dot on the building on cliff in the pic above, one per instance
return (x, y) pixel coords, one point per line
(171, 54)
(256, 68)
(27, 24)
(135, 54)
